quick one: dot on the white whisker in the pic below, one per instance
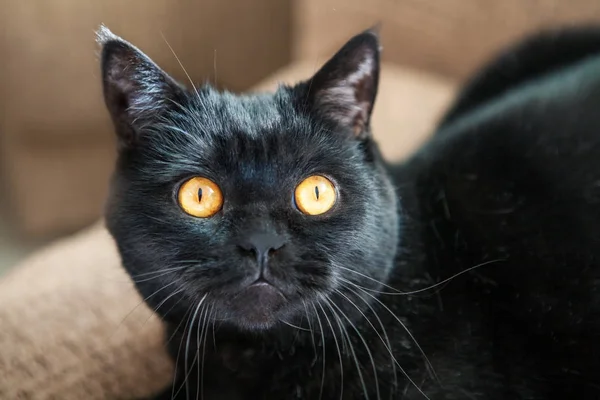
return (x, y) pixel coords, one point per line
(294, 326)
(200, 325)
(312, 333)
(213, 333)
(205, 333)
(158, 276)
(215, 67)
(401, 293)
(350, 346)
(414, 340)
(323, 349)
(338, 350)
(176, 292)
(369, 278)
(144, 301)
(160, 271)
(364, 342)
(454, 276)
(187, 351)
(180, 323)
(386, 342)
(180, 64)
(179, 349)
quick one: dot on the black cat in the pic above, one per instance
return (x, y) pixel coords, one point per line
(289, 261)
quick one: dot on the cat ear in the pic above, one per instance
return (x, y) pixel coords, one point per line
(344, 89)
(136, 90)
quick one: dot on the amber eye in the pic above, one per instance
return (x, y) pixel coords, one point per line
(315, 195)
(200, 197)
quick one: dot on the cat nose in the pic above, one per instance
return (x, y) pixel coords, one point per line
(262, 244)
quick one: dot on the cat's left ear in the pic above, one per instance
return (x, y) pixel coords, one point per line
(344, 89)
(136, 91)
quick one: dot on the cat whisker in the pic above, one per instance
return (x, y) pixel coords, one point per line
(386, 342)
(312, 333)
(452, 277)
(429, 365)
(215, 66)
(395, 361)
(176, 292)
(343, 338)
(387, 339)
(294, 326)
(164, 273)
(181, 65)
(324, 353)
(350, 346)
(401, 293)
(187, 313)
(160, 271)
(205, 334)
(297, 334)
(337, 346)
(196, 360)
(189, 262)
(187, 350)
(369, 278)
(310, 83)
(173, 306)
(144, 301)
(214, 320)
(156, 219)
(364, 342)
(197, 354)
(187, 327)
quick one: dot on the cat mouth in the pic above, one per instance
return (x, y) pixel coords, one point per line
(256, 306)
(266, 285)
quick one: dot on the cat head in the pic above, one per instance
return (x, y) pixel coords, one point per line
(259, 206)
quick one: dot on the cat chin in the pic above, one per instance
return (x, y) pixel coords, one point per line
(256, 307)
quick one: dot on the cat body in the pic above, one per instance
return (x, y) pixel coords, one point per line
(469, 271)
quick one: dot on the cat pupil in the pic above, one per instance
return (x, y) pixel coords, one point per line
(317, 192)
(199, 195)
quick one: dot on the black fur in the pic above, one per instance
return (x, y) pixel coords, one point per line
(506, 195)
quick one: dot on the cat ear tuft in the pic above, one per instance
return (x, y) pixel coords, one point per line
(344, 89)
(136, 90)
(104, 35)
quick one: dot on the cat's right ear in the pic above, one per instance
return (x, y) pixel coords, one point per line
(344, 89)
(136, 90)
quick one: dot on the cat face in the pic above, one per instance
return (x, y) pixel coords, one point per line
(259, 205)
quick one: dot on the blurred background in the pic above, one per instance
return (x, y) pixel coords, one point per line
(56, 143)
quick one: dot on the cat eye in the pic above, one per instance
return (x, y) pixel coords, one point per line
(200, 197)
(315, 195)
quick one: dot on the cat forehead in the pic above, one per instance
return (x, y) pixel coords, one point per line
(215, 130)
(252, 114)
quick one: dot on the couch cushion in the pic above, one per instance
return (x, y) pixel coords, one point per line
(73, 327)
